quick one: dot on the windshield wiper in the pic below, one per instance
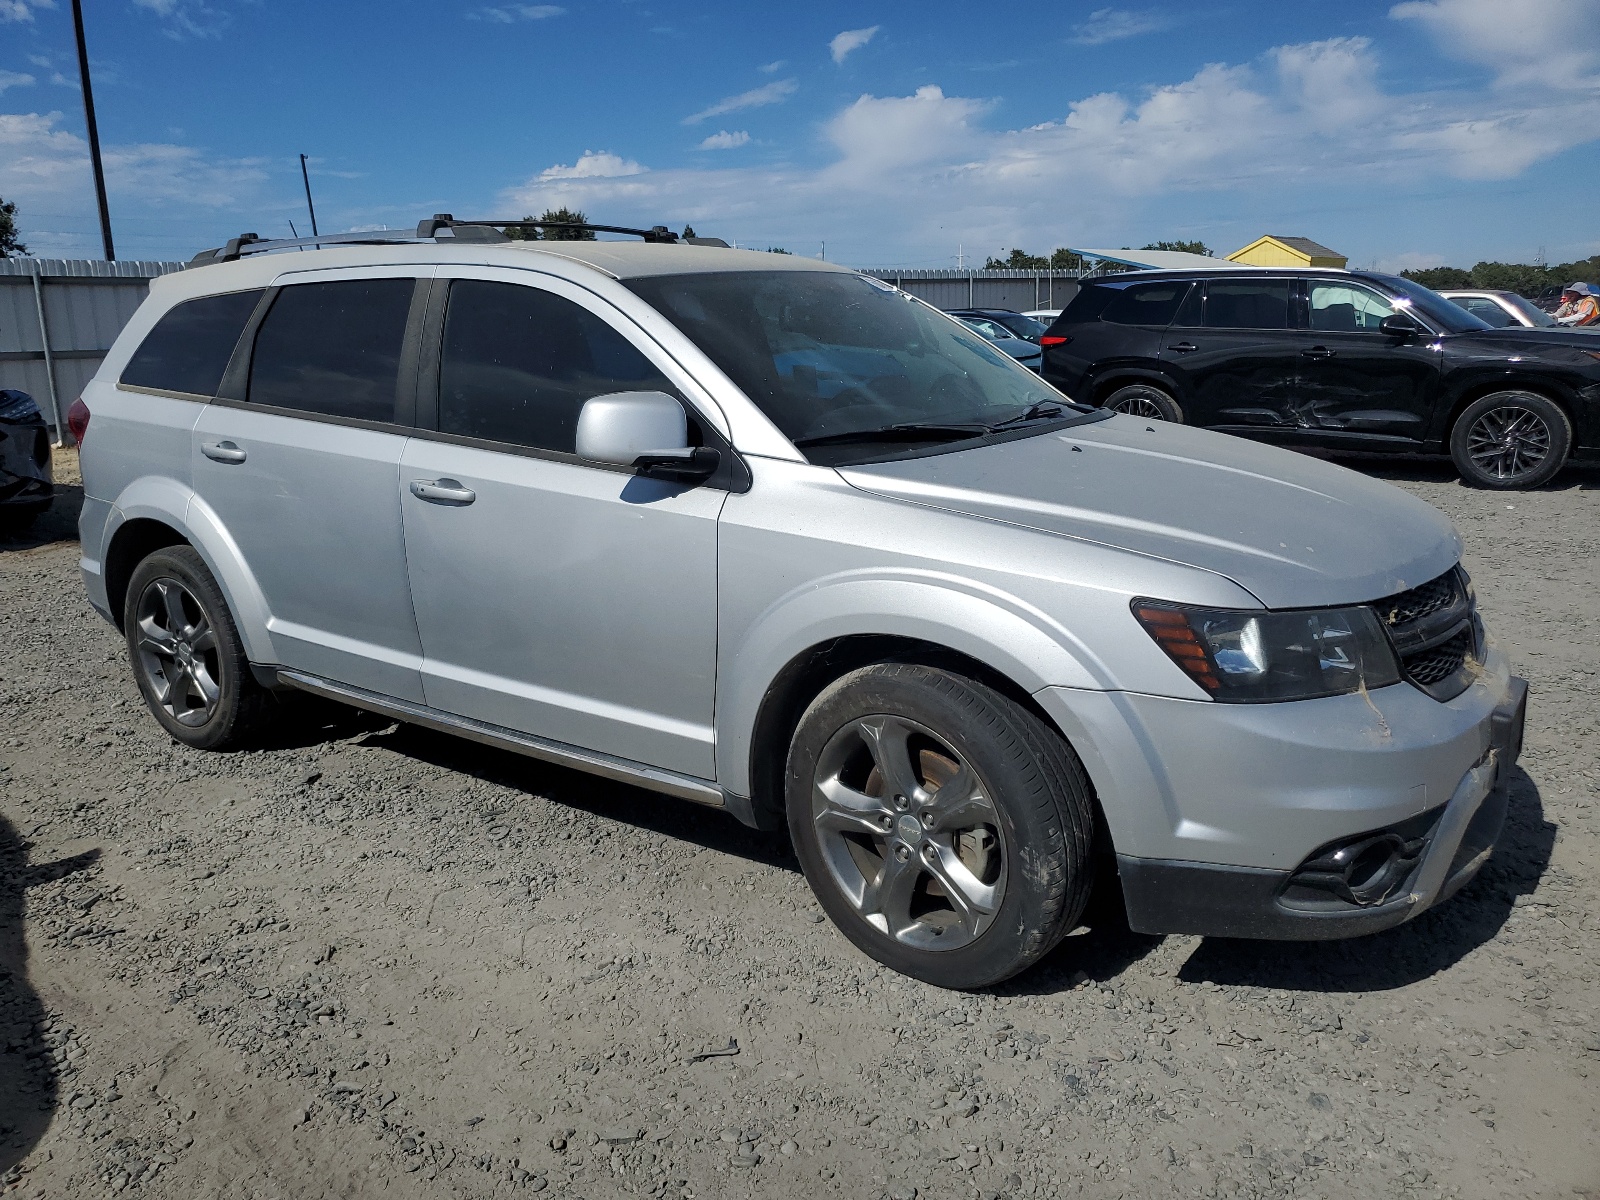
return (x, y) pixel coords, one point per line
(908, 431)
(1038, 411)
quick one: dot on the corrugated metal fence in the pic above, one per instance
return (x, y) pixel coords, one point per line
(58, 317)
(1020, 291)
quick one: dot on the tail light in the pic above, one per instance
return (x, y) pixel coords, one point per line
(1050, 339)
(78, 420)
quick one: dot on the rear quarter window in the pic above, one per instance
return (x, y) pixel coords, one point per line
(189, 348)
(1146, 303)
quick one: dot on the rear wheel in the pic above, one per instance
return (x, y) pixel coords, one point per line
(186, 653)
(1510, 439)
(944, 828)
(1144, 400)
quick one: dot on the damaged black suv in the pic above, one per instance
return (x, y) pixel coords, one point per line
(1342, 360)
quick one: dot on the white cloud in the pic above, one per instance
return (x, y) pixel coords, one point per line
(1113, 24)
(594, 165)
(11, 79)
(851, 40)
(1535, 42)
(772, 68)
(772, 93)
(926, 169)
(508, 14)
(22, 10)
(196, 18)
(725, 141)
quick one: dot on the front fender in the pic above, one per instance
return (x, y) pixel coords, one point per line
(1000, 630)
(175, 504)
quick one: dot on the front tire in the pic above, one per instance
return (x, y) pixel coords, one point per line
(943, 827)
(1144, 400)
(187, 656)
(1511, 439)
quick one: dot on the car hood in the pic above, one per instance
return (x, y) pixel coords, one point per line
(1294, 531)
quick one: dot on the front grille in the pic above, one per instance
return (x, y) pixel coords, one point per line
(1435, 630)
(1431, 667)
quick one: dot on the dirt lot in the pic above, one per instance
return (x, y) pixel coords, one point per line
(371, 961)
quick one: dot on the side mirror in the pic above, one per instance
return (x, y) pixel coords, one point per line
(1398, 325)
(644, 430)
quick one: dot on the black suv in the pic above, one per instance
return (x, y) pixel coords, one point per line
(1345, 360)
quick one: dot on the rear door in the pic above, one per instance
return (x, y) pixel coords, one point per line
(1358, 380)
(1236, 354)
(298, 459)
(555, 596)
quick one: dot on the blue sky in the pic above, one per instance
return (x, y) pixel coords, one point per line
(1402, 134)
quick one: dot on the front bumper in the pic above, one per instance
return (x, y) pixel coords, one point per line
(1449, 844)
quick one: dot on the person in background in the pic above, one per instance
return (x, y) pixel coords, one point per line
(1579, 305)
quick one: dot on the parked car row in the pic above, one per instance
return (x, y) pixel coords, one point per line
(26, 486)
(766, 534)
(1342, 360)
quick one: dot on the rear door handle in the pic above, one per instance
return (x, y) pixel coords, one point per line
(1184, 347)
(443, 491)
(222, 452)
(1317, 352)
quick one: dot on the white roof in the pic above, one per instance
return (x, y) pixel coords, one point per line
(1165, 260)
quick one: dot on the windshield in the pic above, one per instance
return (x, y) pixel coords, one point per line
(1535, 314)
(1447, 315)
(828, 356)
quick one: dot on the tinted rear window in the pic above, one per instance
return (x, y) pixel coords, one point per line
(189, 348)
(1146, 304)
(1248, 304)
(333, 348)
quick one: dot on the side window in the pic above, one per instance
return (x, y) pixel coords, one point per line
(1485, 310)
(1247, 304)
(518, 363)
(189, 348)
(1347, 308)
(1146, 304)
(333, 348)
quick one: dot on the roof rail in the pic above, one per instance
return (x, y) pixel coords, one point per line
(437, 228)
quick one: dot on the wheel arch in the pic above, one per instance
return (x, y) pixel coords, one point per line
(1477, 391)
(1103, 384)
(135, 540)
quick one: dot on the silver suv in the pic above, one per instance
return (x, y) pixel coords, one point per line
(766, 534)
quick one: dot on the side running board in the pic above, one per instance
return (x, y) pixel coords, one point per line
(685, 787)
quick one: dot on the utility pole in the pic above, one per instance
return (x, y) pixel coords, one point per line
(94, 133)
(305, 178)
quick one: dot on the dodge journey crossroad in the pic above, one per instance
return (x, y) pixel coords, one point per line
(766, 534)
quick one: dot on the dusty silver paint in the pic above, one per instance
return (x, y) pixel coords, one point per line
(645, 621)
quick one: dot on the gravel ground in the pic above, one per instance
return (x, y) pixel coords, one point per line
(375, 961)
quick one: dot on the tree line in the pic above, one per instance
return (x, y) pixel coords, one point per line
(1066, 260)
(1526, 279)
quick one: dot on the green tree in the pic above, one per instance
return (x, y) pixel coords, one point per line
(562, 215)
(778, 250)
(1017, 260)
(1065, 260)
(1440, 278)
(9, 245)
(1180, 247)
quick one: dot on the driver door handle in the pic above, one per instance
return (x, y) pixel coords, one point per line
(1317, 352)
(222, 452)
(1184, 347)
(443, 491)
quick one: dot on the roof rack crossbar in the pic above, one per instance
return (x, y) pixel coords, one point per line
(441, 226)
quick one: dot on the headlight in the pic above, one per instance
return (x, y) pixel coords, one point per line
(1253, 657)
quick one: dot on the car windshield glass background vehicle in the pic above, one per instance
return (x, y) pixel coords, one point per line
(518, 364)
(189, 348)
(1344, 308)
(333, 348)
(825, 353)
(1486, 310)
(1536, 316)
(1450, 317)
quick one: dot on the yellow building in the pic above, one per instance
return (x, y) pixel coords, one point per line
(1277, 251)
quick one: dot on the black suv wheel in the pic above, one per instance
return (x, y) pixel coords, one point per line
(1510, 439)
(943, 827)
(1144, 400)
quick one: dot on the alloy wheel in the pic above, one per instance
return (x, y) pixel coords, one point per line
(909, 833)
(1139, 406)
(1509, 442)
(177, 652)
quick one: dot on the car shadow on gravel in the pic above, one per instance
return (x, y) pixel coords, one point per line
(666, 815)
(58, 524)
(1431, 943)
(29, 1091)
(1418, 468)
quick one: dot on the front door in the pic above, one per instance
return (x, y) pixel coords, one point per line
(1358, 380)
(1236, 355)
(555, 597)
(299, 469)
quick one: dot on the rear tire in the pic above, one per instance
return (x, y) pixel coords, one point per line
(1510, 439)
(943, 827)
(187, 656)
(1144, 400)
